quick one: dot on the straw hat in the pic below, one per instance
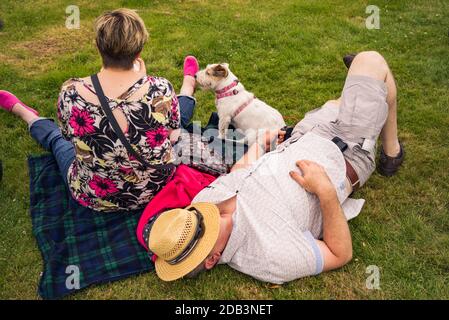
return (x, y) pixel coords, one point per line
(183, 238)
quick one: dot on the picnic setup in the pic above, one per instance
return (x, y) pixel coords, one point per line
(224, 150)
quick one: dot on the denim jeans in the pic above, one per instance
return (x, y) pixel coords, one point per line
(49, 136)
(186, 108)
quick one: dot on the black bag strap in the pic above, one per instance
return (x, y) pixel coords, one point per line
(118, 131)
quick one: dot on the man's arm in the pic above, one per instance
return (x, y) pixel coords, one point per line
(258, 148)
(336, 246)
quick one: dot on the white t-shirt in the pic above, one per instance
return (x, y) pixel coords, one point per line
(276, 221)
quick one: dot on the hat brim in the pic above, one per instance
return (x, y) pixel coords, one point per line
(211, 220)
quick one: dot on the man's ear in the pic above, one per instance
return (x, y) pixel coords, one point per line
(220, 70)
(212, 260)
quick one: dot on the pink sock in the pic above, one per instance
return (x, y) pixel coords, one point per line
(191, 66)
(8, 101)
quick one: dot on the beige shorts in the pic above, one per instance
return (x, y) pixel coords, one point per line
(358, 121)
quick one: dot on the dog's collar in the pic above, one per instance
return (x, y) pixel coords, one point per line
(242, 107)
(224, 92)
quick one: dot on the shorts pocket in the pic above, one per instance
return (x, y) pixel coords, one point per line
(363, 111)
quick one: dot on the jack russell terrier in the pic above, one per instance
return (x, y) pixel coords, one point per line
(236, 105)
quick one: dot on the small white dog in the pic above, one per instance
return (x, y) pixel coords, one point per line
(236, 105)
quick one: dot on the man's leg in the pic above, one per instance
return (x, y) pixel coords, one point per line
(389, 132)
(372, 64)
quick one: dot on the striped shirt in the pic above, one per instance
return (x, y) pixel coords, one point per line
(276, 221)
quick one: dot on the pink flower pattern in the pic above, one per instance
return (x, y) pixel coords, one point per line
(126, 170)
(81, 122)
(157, 136)
(102, 186)
(83, 200)
(107, 184)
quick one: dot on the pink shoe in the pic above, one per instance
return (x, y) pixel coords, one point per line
(8, 100)
(191, 66)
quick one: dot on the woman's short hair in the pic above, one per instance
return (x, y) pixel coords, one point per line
(120, 37)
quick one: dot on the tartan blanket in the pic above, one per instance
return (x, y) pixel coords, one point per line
(79, 247)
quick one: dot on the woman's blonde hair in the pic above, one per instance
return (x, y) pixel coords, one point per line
(120, 37)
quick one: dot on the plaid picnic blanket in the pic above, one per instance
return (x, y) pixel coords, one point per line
(76, 241)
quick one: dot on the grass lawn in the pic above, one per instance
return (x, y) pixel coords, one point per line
(289, 54)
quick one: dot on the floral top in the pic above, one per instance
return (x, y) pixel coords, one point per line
(104, 176)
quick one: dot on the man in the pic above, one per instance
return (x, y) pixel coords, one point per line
(283, 215)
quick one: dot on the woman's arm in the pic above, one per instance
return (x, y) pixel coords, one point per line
(254, 152)
(63, 114)
(258, 149)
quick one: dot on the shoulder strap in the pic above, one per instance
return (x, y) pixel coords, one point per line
(132, 89)
(115, 126)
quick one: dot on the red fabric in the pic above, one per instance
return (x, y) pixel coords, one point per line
(177, 193)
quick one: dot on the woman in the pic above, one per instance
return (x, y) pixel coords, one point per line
(94, 163)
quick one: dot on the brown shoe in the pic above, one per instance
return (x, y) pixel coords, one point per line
(347, 59)
(388, 166)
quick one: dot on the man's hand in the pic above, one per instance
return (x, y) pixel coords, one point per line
(314, 178)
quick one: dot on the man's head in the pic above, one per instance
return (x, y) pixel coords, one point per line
(188, 241)
(120, 37)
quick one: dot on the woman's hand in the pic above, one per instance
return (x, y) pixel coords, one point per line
(271, 136)
(281, 136)
(314, 179)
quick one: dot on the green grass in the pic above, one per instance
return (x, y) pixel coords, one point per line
(289, 54)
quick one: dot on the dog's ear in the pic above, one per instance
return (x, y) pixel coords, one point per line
(220, 70)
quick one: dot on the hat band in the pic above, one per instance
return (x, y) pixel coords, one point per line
(199, 232)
